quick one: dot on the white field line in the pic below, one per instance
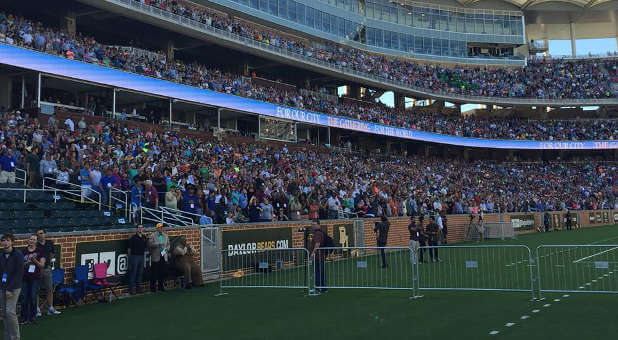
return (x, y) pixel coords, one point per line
(593, 255)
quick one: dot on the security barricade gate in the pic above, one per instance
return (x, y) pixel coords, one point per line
(577, 268)
(211, 256)
(482, 268)
(265, 268)
(364, 267)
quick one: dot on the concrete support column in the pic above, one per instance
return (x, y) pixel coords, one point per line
(6, 88)
(466, 154)
(573, 40)
(355, 92)
(170, 50)
(400, 101)
(70, 22)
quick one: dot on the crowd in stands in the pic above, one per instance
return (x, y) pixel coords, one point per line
(566, 78)
(235, 183)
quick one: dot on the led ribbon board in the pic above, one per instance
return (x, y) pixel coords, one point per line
(45, 63)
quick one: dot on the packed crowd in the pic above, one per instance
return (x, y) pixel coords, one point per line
(235, 183)
(23, 32)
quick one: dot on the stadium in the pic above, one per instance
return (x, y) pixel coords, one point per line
(339, 169)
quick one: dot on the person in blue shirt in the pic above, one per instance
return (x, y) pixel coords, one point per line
(7, 166)
(137, 193)
(84, 181)
(190, 201)
(107, 182)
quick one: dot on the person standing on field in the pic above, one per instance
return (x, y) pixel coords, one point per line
(318, 255)
(433, 230)
(137, 248)
(12, 272)
(47, 286)
(381, 229)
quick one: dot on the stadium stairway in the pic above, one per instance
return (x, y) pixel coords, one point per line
(55, 214)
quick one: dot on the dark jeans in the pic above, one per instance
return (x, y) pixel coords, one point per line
(433, 252)
(136, 271)
(422, 243)
(29, 293)
(318, 267)
(380, 244)
(157, 275)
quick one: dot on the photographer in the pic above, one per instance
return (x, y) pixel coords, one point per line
(381, 230)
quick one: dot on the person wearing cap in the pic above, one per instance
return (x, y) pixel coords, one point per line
(136, 251)
(159, 246)
(7, 166)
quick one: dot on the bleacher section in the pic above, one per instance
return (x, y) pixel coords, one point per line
(55, 213)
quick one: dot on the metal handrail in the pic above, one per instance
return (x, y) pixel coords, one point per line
(24, 179)
(25, 190)
(125, 203)
(187, 22)
(163, 216)
(72, 192)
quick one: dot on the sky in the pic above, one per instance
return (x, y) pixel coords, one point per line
(556, 48)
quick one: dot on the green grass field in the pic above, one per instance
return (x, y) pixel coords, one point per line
(265, 313)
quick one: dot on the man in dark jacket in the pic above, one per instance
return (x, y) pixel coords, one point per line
(433, 231)
(381, 230)
(12, 272)
(546, 220)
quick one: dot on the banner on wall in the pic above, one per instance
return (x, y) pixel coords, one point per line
(522, 222)
(112, 252)
(249, 241)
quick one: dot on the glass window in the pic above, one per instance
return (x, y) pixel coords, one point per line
(326, 22)
(255, 4)
(300, 13)
(394, 41)
(292, 10)
(379, 40)
(371, 36)
(318, 19)
(387, 39)
(273, 7)
(283, 9)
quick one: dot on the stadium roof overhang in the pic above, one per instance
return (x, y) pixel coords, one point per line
(552, 19)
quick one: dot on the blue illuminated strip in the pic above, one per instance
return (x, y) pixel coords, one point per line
(19, 57)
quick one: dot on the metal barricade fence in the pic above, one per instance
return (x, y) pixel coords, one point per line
(577, 268)
(364, 267)
(482, 268)
(265, 268)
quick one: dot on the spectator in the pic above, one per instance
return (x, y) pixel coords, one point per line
(136, 251)
(159, 245)
(433, 232)
(381, 229)
(47, 286)
(7, 164)
(151, 196)
(318, 256)
(137, 195)
(12, 269)
(34, 262)
(183, 259)
(107, 182)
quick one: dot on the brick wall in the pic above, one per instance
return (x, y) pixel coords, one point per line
(68, 245)
(398, 235)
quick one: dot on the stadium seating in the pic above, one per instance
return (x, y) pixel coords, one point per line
(40, 211)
